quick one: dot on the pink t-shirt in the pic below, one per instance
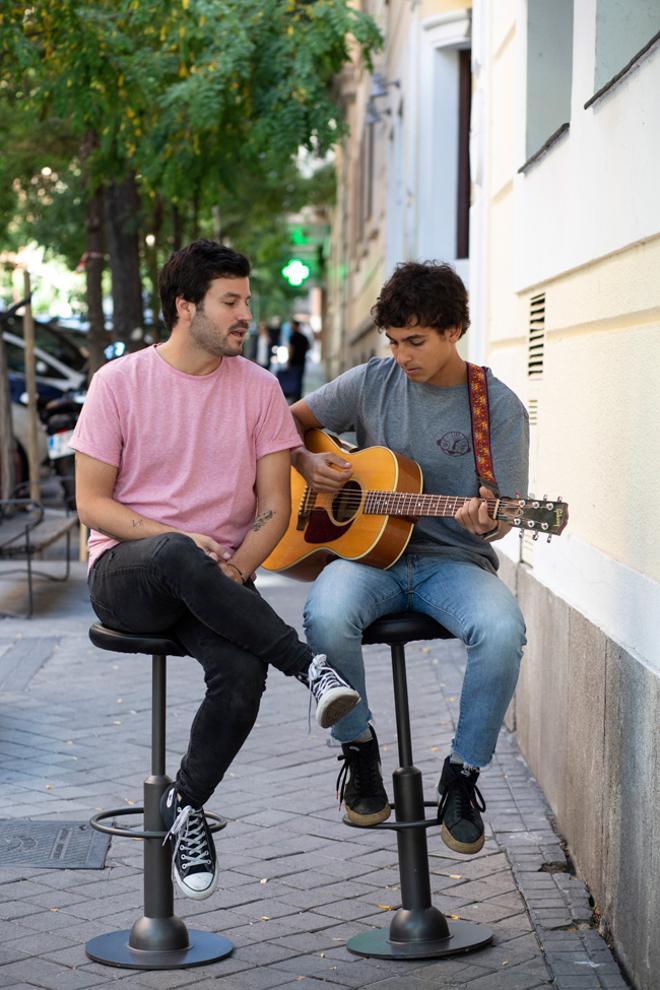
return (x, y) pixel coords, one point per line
(186, 446)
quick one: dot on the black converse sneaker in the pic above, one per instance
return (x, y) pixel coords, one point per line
(360, 783)
(459, 804)
(194, 862)
(333, 695)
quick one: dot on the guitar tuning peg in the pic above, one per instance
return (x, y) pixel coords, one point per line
(559, 498)
(545, 498)
(536, 536)
(516, 495)
(549, 538)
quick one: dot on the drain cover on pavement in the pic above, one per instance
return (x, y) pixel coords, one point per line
(58, 845)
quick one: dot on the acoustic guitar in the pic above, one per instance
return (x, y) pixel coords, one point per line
(371, 518)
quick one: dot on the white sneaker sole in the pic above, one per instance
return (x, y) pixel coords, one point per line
(196, 895)
(335, 704)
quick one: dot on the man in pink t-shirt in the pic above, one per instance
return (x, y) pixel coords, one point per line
(182, 475)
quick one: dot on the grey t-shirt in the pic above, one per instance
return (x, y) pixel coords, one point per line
(432, 426)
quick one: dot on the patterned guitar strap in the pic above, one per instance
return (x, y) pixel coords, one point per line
(480, 420)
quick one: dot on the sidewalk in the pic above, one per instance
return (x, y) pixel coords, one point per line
(296, 882)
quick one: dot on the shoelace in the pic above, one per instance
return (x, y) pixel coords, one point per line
(189, 833)
(366, 772)
(469, 795)
(316, 684)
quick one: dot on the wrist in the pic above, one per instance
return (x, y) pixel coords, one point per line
(491, 533)
(236, 568)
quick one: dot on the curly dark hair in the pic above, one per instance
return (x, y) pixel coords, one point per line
(190, 271)
(423, 294)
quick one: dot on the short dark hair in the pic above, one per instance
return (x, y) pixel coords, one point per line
(190, 271)
(423, 294)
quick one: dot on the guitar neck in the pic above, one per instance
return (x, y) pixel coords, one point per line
(409, 504)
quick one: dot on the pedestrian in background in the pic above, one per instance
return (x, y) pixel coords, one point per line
(298, 348)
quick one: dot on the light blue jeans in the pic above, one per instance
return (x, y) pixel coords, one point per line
(469, 601)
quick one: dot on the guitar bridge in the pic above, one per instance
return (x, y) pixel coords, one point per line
(306, 506)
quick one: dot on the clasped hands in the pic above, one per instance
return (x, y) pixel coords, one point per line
(221, 555)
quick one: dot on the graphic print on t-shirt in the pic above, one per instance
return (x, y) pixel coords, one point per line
(454, 443)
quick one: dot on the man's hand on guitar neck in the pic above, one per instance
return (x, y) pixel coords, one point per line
(474, 517)
(325, 472)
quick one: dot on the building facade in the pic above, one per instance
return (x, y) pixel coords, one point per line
(556, 133)
(566, 236)
(403, 171)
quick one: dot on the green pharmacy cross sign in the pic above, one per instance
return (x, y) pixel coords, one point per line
(296, 271)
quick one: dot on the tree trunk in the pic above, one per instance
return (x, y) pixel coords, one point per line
(94, 249)
(177, 228)
(122, 209)
(151, 255)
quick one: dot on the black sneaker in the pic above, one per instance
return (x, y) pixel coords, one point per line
(459, 804)
(194, 862)
(333, 695)
(360, 783)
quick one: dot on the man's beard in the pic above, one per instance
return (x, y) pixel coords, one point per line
(205, 335)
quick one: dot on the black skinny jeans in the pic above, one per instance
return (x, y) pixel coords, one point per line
(167, 584)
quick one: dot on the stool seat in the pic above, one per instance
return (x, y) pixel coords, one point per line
(403, 627)
(122, 642)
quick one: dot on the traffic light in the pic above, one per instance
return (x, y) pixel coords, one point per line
(296, 271)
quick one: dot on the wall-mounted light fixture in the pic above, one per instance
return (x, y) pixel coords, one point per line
(379, 87)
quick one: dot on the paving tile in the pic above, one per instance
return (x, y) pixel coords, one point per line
(325, 881)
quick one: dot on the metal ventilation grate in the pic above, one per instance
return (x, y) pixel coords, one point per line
(536, 342)
(533, 410)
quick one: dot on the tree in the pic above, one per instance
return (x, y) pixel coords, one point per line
(192, 104)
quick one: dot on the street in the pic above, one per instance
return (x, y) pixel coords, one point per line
(295, 882)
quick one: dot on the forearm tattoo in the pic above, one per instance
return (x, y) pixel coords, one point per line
(262, 520)
(136, 523)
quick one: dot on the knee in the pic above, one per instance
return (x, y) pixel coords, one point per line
(504, 632)
(325, 621)
(177, 551)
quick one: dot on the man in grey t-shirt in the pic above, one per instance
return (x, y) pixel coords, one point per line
(416, 403)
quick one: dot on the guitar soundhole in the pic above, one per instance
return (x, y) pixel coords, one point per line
(346, 503)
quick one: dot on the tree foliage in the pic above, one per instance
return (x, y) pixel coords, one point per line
(203, 101)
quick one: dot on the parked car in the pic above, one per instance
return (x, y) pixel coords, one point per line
(61, 372)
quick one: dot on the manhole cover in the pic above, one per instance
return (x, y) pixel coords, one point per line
(58, 845)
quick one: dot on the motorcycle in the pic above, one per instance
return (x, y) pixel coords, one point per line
(60, 416)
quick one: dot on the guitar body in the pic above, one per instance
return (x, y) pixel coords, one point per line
(325, 525)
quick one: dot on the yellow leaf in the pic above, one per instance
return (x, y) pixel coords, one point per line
(384, 907)
(455, 917)
(49, 787)
(264, 917)
(185, 4)
(434, 749)
(54, 910)
(455, 876)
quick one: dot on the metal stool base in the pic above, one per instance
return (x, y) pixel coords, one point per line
(113, 950)
(464, 936)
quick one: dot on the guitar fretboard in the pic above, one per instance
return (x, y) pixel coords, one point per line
(411, 504)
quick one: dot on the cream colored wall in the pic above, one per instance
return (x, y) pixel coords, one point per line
(430, 7)
(602, 323)
(601, 403)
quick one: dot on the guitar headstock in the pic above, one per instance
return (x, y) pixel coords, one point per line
(534, 515)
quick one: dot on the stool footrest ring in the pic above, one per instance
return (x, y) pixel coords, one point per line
(399, 826)
(96, 822)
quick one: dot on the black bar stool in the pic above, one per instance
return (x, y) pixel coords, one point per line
(157, 940)
(418, 930)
